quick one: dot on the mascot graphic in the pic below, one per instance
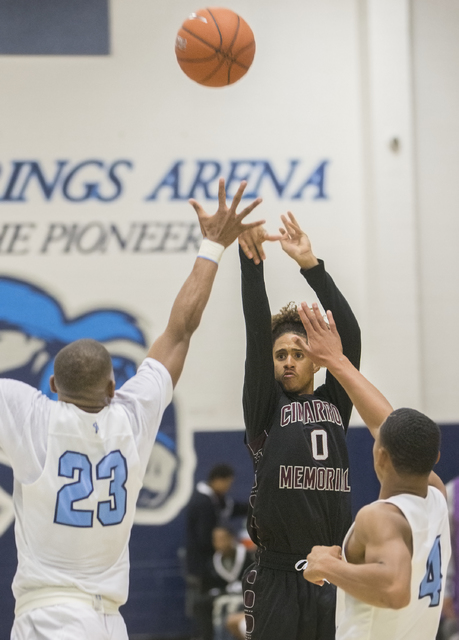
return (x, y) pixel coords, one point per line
(33, 328)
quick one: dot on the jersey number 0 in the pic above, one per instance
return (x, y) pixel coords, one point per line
(109, 512)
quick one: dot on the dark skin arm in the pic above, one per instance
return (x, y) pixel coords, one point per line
(223, 227)
(325, 349)
(379, 552)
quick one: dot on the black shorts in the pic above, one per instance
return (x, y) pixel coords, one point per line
(282, 605)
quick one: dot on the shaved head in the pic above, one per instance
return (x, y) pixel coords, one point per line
(81, 367)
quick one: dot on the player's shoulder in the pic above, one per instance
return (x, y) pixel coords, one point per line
(380, 514)
(379, 508)
(151, 378)
(16, 390)
(374, 510)
(10, 383)
(155, 366)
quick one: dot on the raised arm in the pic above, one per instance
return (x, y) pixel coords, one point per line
(295, 242)
(297, 245)
(219, 231)
(260, 390)
(325, 349)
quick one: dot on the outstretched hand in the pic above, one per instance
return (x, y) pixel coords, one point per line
(226, 225)
(296, 243)
(251, 242)
(324, 343)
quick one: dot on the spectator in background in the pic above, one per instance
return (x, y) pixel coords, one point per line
(209, 507)
(449, 629)
(223, 579)
(235, 623)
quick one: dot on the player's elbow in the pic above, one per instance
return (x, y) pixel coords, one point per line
(396, 597)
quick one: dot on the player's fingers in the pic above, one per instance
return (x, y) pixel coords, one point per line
(221, 193)
(285, 237)
(260, 251)
(238, 196)
(304, 318)
(308, 326)
(306, 312)
(292, 230)
(245, 248)
(315, 317)
(300, 342)
(252, 225)
(285, 220)
(197, 207)
(331, 322)
(253, 248)
(272, 237)
(293, 220)
(245, 212)
(319, 317)
(202, 215)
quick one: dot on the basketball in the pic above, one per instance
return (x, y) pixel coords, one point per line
(215, 47)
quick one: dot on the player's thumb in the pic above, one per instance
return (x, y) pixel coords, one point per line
(197, 207)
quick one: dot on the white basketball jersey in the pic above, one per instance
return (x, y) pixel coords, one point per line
(428, 519)
(73, 521)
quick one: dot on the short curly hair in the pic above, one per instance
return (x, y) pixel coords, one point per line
(412, 440)
(287, 321)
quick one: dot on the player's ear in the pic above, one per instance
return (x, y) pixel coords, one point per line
(111, 388)
(380, 456)
(316, 368)
(384, 457)
(52, 384)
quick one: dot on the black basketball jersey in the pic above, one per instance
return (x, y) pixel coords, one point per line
(300, 497)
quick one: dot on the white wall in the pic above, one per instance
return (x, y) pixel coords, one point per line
(435, 42)
(391, 336)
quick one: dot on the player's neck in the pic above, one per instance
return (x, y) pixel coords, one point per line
(89, 408)
(85, 404)
(394, 486)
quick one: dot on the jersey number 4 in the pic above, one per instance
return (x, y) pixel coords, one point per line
(431, 583)
(109, 512)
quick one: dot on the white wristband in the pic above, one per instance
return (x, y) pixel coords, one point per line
(211, 250)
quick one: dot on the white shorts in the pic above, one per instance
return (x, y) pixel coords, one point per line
(68, 622)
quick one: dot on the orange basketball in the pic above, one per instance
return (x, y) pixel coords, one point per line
(215, 47)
